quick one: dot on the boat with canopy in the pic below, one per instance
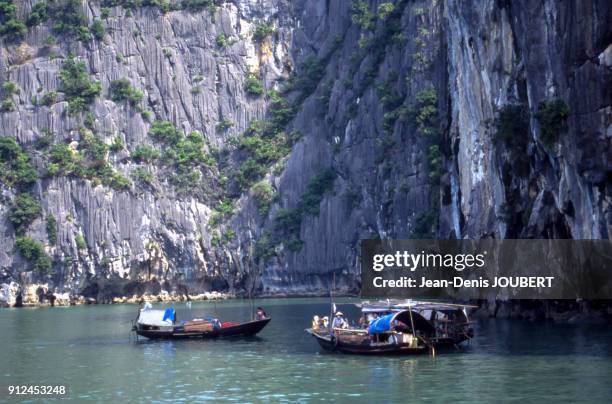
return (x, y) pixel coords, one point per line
(396, 327)
(163, 324)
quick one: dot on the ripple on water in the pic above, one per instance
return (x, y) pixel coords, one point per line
(514, 360)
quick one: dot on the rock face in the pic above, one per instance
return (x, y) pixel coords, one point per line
(417, 119)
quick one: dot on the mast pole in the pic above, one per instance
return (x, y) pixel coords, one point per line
(331, 301)
(411, 320)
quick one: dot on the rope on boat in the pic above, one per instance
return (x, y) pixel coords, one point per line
(432, 349)
(133, 331)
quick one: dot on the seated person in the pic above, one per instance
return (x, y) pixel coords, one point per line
(400, 326)
(261, 314)
(316, 322)
(339, 321)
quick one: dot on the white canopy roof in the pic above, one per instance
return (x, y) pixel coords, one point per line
(153, 317)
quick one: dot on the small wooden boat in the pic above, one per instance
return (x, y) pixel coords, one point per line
(353, 341)
(399, 328)
(161, 324)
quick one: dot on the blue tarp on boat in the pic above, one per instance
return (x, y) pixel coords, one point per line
(382, 324)
(169, 315)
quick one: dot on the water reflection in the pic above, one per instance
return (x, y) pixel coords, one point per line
(88, 348)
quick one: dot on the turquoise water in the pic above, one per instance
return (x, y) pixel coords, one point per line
(88, 349)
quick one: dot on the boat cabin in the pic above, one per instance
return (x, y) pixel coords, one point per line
(440, 322)
(393, 327)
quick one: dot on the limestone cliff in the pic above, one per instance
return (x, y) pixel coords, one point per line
(248, 145)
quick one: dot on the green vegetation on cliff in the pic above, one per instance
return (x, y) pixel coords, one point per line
(10, 26)
(121, 90)
(34, 252)
(97, 30)
(224, 125)
(8, 90)
(427, 120)
(221, 40)
(184, 154)
(145, 154)
(143, 175)
(287, 223)
(79, 89)
(38, 14)
(361, 14)
(552, 116)
(88, 161)
(15, 168)
(264, 195)
(51, 228)
(253, 85)
(16, 171)
(262, 30)
(24, 209)
(164, 6)
(265, 142)
(49, 98)
(512, 124)
(68, 18)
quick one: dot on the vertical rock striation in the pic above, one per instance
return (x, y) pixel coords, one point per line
(401, 119)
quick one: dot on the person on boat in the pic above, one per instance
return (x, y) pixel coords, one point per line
(363, 321)
(261, 314)
(316, 322)
(325, 322)
(400, 326)
(373, 318)
(216, 323)
(339, 321)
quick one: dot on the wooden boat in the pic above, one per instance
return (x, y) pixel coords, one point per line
(399, 328)
(353, 341)
(161, 324)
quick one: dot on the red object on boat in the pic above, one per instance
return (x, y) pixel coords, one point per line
(226, 324)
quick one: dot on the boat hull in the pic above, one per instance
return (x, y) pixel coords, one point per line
(329, 343)
(240, 330)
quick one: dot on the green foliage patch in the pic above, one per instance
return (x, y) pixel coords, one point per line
(262, 30)
(121, 90)
(309, 75)
(264, 195)
(143, 175)
(89, 161)
(24, 209)
(38, 14)
(287, 222)
(361, 14)
(51, 228)
(34, 252)
(78, 88)
(145, 154)
(97, 30)
(224, 125)
(183, 154)
(221, 40)
(49, 98)
(80, 242)
(265, 142)
(253, 85)
(552, 116)
(426, 116)
(69, 18)
(15, 167)
(11, 27)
